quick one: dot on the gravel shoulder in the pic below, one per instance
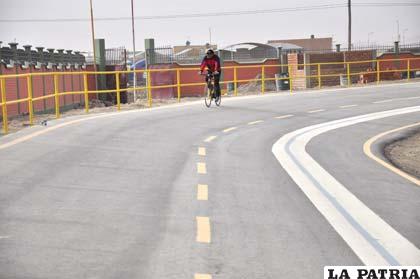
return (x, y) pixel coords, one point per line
(405, 153)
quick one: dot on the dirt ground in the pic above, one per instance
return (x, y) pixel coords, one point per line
(405, 154)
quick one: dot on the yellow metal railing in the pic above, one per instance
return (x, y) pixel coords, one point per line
(292, 78)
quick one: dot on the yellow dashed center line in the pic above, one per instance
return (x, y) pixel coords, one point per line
(348, 106)
(315, 111)
(203, 229)
(284, 116)
(202, 192)
(210, 139)
(255, 122)
(202, 151)
(229, 129)
(202, 276)
(201, 168)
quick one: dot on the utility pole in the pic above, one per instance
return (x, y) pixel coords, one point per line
(134, 51)
(93, 42)
(398, 31)
(349, 11)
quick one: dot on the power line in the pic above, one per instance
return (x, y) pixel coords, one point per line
(218, 14)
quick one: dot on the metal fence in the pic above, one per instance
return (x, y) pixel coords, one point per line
(116, 56)
(166, 55)
(412, 48)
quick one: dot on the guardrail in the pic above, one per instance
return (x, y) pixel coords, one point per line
(292, 69)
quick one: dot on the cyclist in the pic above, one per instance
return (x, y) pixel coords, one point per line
(212, 62)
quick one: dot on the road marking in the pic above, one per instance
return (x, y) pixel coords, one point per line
(396, 99)
(373, 240)
(368, 151)
(202, 151)
(348, 106)
(315, 111)
(202, 192)
(255, 122)
(412, 98)
(201, 168)
(4, 237)
(229, 129)
(210, 139)
(383, 101)
(203, 230)
(202, 276)
(284, 116)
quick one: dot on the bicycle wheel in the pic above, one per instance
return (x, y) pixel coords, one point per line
(208, 94)
(218, 100)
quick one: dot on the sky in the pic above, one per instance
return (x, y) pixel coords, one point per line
(377, 23)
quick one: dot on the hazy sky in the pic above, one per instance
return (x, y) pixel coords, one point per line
(225, 30)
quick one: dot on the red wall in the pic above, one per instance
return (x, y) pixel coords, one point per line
(16, 88)
(189, 75)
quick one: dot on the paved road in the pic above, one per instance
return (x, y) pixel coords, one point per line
(116, 196)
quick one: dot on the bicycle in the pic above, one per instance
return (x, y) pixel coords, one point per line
(209, 93)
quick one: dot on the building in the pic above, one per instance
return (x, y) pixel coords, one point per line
(192, 50)
(311, 43)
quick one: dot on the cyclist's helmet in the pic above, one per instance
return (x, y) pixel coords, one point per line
(209, 51)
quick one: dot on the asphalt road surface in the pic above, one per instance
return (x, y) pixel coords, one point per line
(192, 192)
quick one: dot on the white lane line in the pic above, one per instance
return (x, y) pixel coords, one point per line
(229, 129)
(383, 101)
(317, 110)
(210, 139)
(373, 240)
(411, 98)
(284, 116)
(348, 106)
(4, 237)
(255, 122)
(202, 151)
(396, 99)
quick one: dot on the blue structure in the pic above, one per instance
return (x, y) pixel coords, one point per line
(140, 65)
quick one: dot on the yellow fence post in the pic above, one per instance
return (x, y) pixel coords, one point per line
(319, 76)
(378, 72)
(178, 82)
(56, 97)
(408, 69)
(3, 105)
(117, 81)
(149, 89)
(262, 79)
(86, 90)
(30, 102)
(235, 81)
(348, 75)
(290, 79)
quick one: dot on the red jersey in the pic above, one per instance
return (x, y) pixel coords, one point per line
(212, 64)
